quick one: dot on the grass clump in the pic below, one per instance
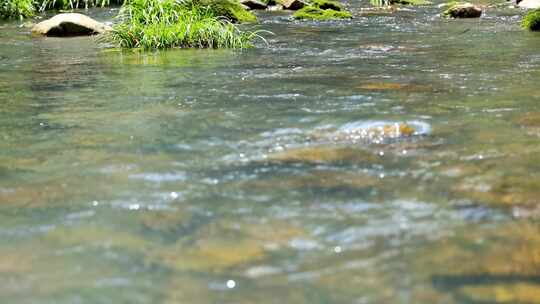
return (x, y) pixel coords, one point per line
(531, 21)
(19, 9)
(43, 5)
(16, 9)
(158, 24)
(322, 10)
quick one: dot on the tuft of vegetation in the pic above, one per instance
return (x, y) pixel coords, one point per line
(322, 10)
(158, 24)
(531, 21)
(19, 9)
(43, 5)
(12, 9)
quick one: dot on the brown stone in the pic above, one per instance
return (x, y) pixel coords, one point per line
(463, 10)
(292, 4)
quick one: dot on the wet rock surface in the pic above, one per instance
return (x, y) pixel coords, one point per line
(529, 4)
(68, 25)
(292, 4)
(254, 4)
(463, 10)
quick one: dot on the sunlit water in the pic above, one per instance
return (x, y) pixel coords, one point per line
(263, 176)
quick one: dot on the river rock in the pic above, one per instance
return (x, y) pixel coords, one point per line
(323, 155)
(463, 10)
(275, 8)
(72, 24)
(529, 4)
(293, 4)
(254, 4)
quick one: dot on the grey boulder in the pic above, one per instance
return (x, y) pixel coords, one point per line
(529, 4)
(72, 24)
(254, 4)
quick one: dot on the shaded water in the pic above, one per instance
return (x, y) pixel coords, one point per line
(216, 176)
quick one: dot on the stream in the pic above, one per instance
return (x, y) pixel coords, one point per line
(392, 158)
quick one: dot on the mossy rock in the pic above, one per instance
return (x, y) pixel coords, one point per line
(231, 9)
(322, 10)
(531, 21)
(462, 10)
(327, 4)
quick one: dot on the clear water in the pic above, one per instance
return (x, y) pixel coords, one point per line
(217, 176)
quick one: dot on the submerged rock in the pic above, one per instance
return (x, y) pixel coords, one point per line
(529, 4)
(499, 264)
(254, 4)
(72, 24)
(227, 244)
(374, 131)
(322, 10)
(323, 154)
(393, 86)
(529, 119)
(463, 10)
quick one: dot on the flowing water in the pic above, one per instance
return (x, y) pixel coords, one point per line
(393, 158)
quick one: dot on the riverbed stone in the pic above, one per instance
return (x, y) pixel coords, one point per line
(463, 10)
(323, 154)
(529, 119)
(70, 24)
(486, 265)
(318, 180)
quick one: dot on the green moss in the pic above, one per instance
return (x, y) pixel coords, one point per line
(322, 10)
(327, 4)
(230, 9)
(531, 21)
